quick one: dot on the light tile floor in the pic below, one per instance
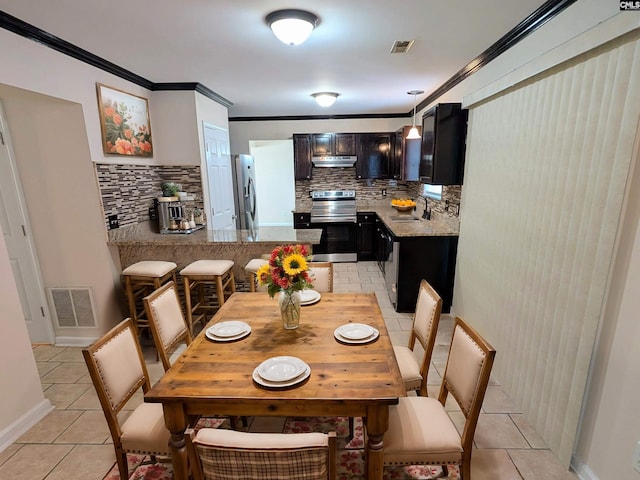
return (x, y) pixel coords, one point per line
(73, 441)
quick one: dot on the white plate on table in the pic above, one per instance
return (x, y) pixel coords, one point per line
(266, 383)
(281, 369)
(228, 331)
(309, 296)
(356, 333)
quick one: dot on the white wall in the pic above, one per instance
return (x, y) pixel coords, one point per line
(174, 128)
(275, 192)
(21, 389)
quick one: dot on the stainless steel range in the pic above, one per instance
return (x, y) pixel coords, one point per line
(334, 211)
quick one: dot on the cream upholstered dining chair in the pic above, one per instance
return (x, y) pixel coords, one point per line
(169, 327)
(424, 329)
(216, 454)
(322, 276)
(420, 430)
(118, 371)
(166, 321)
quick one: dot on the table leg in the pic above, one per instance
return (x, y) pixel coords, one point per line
(176, 422)
(377, 422)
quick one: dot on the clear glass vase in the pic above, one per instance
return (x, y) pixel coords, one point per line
(289, 303)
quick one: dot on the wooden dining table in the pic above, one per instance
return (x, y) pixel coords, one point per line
(350, 380)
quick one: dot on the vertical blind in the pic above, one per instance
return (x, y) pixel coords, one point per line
(547, 163)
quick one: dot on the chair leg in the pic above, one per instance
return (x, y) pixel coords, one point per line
(232, 282)
(187, 301)
(123, 468)
(351, 432)
(465, 470)
(220, 290)
(131, 300)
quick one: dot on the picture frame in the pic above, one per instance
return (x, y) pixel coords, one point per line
(124, 122)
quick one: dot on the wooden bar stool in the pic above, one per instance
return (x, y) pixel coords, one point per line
(142, 278)
(195, 276)
(252, 268)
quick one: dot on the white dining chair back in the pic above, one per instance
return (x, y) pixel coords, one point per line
(118, 372)
(322, 276)
(166, 321)
(426, 319)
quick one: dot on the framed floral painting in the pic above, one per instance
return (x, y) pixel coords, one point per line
(124, 122)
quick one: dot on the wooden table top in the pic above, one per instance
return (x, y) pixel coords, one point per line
(218, 373)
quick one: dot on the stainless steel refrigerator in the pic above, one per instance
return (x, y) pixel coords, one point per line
(244, 176)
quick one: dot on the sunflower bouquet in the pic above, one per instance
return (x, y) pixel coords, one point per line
(287, 270)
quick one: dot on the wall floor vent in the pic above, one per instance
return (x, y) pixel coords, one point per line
(73, 307)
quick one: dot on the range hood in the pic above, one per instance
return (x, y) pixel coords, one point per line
(334, 161)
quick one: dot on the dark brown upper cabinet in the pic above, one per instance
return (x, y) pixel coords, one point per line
(374, 155)
(405, 164)
(340, 144)
(302, 156)
(444, 131)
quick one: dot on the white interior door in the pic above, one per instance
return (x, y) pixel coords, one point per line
(220, 177)
(17, 235)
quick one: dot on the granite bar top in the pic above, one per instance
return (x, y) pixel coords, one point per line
(144, 234)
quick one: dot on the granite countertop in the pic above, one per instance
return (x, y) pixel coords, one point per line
(144, 234)
(438, 226)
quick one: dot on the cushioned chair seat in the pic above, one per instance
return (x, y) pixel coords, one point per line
(149, 268)
(146, 422)
(420, 431)
(233, 439)
(409, 367)
(207, 267)
(254, 264)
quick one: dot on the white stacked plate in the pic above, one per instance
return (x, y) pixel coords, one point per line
(309, 296)
(356, 333)
(228, 331)
(281, 372)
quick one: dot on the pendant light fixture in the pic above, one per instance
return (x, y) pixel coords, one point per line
(292, 26)
(325, 99)
(413, 132)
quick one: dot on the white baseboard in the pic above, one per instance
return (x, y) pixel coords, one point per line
(582, 471)
(24, 423)
(74, 341)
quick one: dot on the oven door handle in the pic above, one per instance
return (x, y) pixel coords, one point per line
(334, 219)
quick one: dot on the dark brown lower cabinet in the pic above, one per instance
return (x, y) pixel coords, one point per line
(431, 258)
(366, 236)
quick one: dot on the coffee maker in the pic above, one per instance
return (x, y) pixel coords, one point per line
(170, 215)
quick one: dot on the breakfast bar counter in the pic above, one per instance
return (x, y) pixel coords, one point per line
(140, 242)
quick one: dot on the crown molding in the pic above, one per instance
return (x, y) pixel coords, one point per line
(534, 21)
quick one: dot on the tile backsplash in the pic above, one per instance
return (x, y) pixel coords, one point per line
(128, 191)
(369, 192)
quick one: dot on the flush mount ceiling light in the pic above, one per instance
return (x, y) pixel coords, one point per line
(325, 99)
(413, 132)
(292, 26)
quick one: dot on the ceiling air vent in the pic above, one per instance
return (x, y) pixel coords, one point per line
(401, 46)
